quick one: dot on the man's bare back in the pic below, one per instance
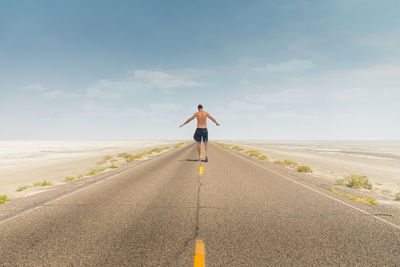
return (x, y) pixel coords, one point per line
(202, 118)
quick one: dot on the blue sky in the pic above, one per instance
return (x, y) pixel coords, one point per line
(138, 69)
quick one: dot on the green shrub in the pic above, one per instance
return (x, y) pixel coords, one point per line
(225, 146)
(304, 169)
(105, 159)
(339, 181)
(69, 178)
(22, 188)
(263, 157)
(367, 200)
(44, 183)
(94, 172)
(179, 145)
(124, 155)
(358, 181)
(237, 148)
(4, 199)
(130, 159)
(155, 150)
(253, 153)
(79, 176)
(113, 167)
(397, 196)
(139, 156)
(286, 162)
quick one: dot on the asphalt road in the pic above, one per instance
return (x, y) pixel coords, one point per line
(152, 215)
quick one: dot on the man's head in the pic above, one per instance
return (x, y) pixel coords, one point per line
(200, 107)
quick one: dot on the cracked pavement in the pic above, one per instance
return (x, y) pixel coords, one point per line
(152, 214)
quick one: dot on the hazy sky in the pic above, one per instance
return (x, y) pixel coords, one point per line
(137, 69)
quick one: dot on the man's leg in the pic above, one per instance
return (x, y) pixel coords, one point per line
(199, 149)
(206, 147)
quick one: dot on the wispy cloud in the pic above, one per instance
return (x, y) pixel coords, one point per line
(46, 93)
(138, 80)
(57, 94)
(385, 40)
(105, 90)
(34, 88)
(294, 65)
(280, 96)
(162, 80)
(165, 106)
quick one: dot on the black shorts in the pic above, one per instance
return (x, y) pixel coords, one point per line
(201, 134)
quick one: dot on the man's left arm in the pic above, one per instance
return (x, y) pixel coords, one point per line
(211, 118)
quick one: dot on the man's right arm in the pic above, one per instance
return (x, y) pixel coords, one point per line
(211, 118)
(190, 119)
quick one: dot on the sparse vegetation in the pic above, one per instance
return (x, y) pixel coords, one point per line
(4, 199)
(385, 190)
(256, 154)
(124, 155)
(397, 196)
(131, 157)
(179, 145)
(367, 200)
(113, 166)
(304, 168)
(225, 146)
(358, 181)
(43, 183)
(23, 187)
(253, 153)
(286, 162)
(238, 148)
(263, 157)
(157, 150)
(139, 156)
(250, 153)
(105, 160)
(70, 178)
(79, 176)
(94, 172)
(339, 181)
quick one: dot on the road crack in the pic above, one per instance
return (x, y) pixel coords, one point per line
(195, 234)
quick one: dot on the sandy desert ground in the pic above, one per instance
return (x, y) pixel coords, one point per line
(26, 162)
(378, 160)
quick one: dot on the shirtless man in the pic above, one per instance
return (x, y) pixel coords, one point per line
(201, 131)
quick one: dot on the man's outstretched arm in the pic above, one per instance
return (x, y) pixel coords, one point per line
(189, 120)
(211, 118)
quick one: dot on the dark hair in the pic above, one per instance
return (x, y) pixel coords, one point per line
(199, 106)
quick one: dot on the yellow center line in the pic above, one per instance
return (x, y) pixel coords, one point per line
(199, 260)
(201, 165)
